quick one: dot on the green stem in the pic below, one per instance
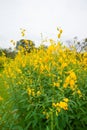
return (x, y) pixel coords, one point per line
(51, 120)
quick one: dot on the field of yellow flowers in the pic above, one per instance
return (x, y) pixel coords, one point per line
(44, 90)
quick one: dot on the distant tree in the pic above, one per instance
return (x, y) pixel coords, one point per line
(8, 52)
(85, 39)
(82, 45)
(28, 45)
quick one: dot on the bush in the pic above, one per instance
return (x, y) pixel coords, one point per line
(47, 90)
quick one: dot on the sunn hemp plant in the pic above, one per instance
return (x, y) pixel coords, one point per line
(46, 89)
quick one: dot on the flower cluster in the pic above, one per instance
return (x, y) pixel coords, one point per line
(45, 88)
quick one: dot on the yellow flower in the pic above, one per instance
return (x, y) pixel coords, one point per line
(33, 93)
(67, 80)
(13, 42)
(54, 104)
(73, 75)
(38, 93)
(1, 98)
(66, 100)
(63, 105)
(72, 83)
(59, 35)
(60, 30)
(56, 84)
(65, 85)
(63, 65)
(29, 91)
(79, 93)
(22, 32)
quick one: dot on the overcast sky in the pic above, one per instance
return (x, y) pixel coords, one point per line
(42, 16)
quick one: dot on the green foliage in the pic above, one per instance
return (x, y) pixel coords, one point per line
(9, 53)
(39, 98)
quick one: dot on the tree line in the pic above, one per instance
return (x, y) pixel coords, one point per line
(29, 45)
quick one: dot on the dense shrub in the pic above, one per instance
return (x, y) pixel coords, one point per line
(47, 90)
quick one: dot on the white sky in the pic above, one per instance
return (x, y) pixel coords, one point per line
(42, 16)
